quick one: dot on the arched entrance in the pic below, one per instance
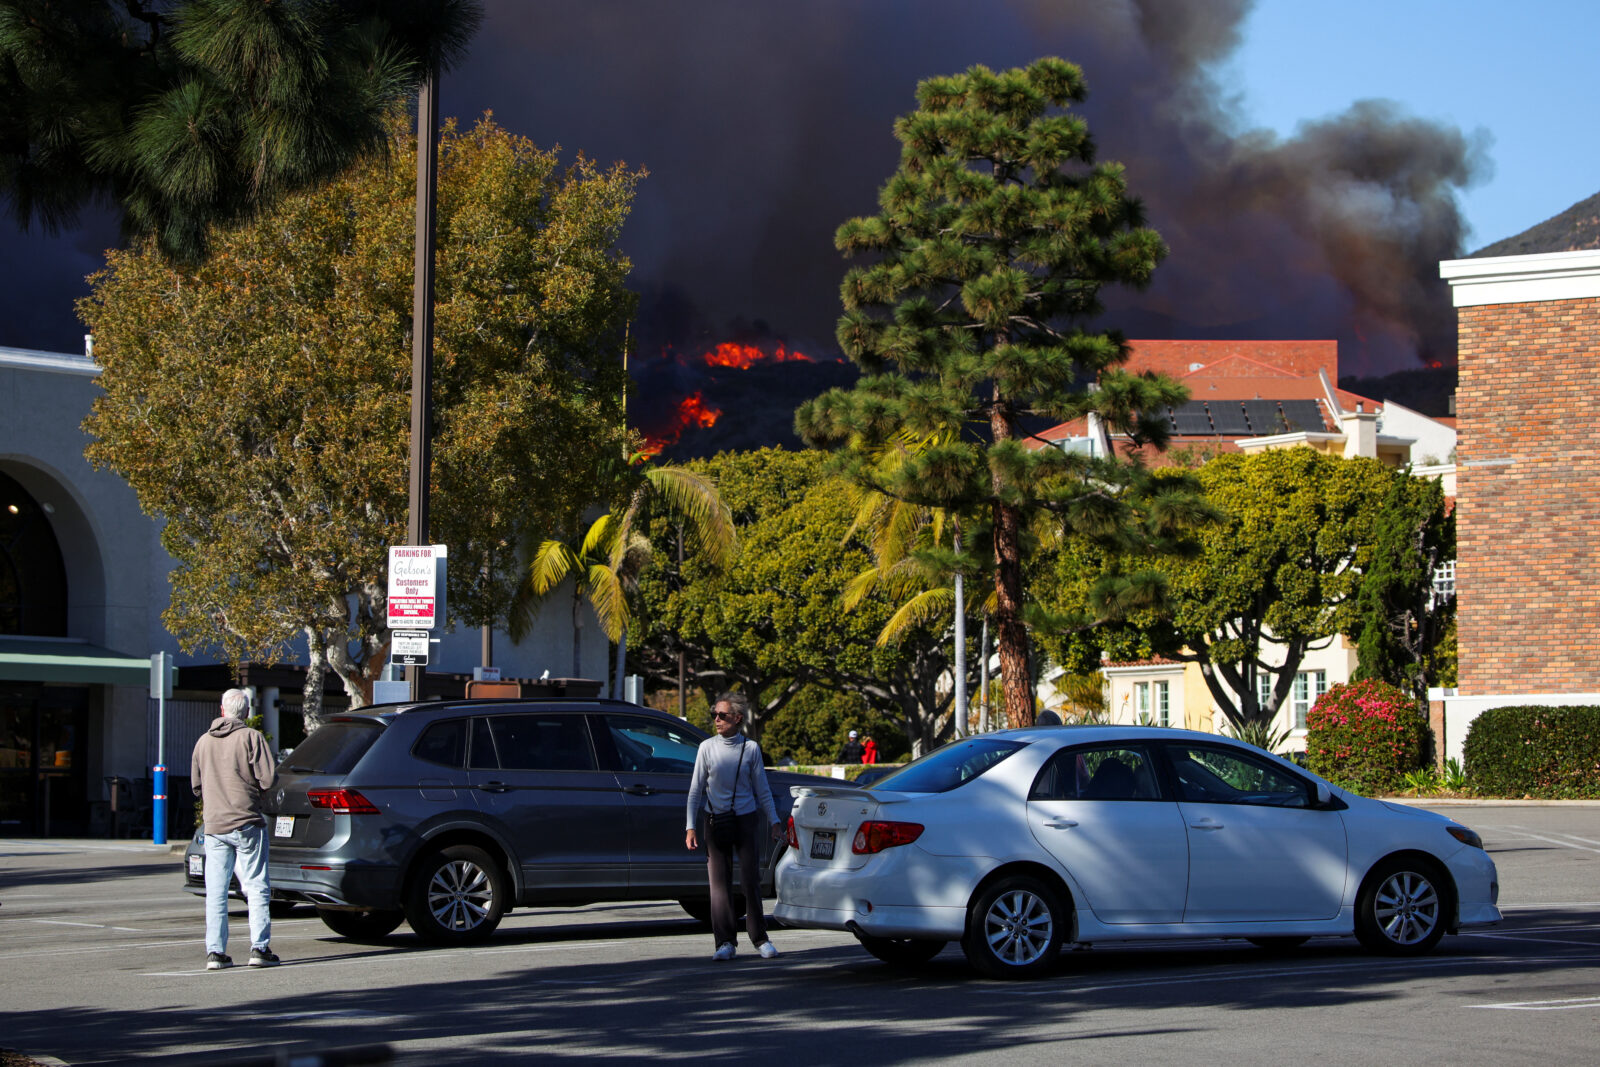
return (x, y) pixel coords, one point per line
(43, 728)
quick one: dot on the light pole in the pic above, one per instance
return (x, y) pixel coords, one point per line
(422, 326)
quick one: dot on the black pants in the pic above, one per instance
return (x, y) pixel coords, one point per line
(719, 867)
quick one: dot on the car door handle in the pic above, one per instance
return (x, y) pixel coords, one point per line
(1059, 823)
(495, 787)
(638, 790)
(1206, 824)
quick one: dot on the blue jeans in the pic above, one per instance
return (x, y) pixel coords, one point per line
(246, 850)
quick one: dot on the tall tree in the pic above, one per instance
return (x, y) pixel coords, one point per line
(258, 403)
(1403, 618)
(192, 113)
(995, 237)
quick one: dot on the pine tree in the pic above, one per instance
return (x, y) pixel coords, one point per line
(188, 113)
(996, 234)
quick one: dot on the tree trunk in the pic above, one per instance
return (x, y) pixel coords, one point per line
(960, 669)
(1011, 634)
(984, 726)
(311, 693)
(618, 686)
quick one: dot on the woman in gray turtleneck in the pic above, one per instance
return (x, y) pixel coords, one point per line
(729, 775)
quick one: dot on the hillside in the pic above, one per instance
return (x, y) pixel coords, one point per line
(1576, 228)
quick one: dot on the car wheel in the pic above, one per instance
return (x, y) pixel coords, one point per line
(361, 925)
(1401, 909)
(1014, 928)
(902, 952)
(456, 897)
(1277, 944)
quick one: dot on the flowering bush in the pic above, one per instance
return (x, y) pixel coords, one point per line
(1365, 736)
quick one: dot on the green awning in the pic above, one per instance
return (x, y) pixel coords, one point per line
(32, 659)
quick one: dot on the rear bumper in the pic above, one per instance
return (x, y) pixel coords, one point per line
(901, 892)
(931, 924)
(365, 886)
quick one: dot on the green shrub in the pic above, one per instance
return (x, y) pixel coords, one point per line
(1543, 752)
(1365, 736)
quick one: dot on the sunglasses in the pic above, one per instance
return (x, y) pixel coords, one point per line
(724, 716)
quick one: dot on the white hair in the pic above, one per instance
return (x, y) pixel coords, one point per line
(236, 703)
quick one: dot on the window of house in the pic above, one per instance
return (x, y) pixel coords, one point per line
(1152, 703)
(1141, 703)
(1308, 686)
(1444, 583)
(1163, 704)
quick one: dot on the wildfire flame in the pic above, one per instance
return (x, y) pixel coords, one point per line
(742, 357)
(692, 411)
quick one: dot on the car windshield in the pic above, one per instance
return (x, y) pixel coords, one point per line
(334, 748)
(953, 765)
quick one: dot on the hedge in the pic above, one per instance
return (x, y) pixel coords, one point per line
(1533, 751)
(1365, 736)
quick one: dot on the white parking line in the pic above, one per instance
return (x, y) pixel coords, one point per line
(91, 926)
(1544, 1005)
(1535, 940)
(1553, 839)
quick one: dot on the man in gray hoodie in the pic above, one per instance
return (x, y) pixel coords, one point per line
(231, 767)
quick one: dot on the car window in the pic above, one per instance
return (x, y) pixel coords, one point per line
(1209, 775)
(481, 755)
(953, 765)
(548, 742)
(444, 743)
(650, 745)
(334, 748)
(1110, 772)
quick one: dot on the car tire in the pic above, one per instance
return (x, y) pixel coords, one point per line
(1403, 907)
(1015, 928)
(456, 896)
(1277, 944)
(902, 952)
(361, 925)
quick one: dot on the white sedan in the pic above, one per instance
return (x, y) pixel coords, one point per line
(1019, 842)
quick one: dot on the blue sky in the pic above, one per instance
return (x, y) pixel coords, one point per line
(1523, 72)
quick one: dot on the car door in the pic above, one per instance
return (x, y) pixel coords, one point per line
(535, 777)
(1099, 810)
(1259, 849)
(653, 761)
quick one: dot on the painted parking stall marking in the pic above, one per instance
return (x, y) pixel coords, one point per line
(1567, 1004)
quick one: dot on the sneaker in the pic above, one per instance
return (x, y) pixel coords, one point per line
(263, 957)
(768, 950)
(215, 961)
(724, 951)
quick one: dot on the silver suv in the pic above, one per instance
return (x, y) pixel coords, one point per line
(446, 815)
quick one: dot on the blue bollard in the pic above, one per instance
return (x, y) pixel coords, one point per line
(158, 809)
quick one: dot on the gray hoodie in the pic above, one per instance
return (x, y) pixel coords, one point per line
(231, 767)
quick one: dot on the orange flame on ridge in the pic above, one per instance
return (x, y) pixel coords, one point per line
(743, 357)
(692, 411)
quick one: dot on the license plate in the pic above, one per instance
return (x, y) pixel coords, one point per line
(284, 827)
(197, 866)
(822, 845)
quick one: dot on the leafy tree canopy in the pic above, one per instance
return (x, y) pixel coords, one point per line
(772, 622)
(1282, 569)
(984, 264)
(188, 113)
(259, 403)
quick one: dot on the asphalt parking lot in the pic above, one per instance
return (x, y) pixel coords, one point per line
(101, 961)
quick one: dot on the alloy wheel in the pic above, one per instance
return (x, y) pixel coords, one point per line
(1019, 927)
(459, 895)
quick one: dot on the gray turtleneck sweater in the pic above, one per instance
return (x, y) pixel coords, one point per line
(713, 786)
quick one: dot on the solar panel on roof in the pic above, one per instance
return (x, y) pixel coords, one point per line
(1265, 419)
(1228, 417)
(1303, 415)
(1191, 420)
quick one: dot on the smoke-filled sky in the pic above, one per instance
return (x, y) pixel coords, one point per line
(1298, 201)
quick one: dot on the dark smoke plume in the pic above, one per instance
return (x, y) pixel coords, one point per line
(766, 125)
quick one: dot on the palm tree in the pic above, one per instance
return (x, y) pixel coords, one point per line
(605, 563)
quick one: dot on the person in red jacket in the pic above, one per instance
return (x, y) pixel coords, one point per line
(869, 750)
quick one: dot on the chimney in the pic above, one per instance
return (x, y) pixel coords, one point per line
(1360, 433)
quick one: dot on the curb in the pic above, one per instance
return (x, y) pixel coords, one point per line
(1479, 802)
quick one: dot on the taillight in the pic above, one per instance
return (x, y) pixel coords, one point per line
(794, 838)
(341, 801)
(877, 836)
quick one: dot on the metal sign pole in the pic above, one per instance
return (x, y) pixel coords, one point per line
(161, 685)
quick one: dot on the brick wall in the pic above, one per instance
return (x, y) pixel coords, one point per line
(1528, 497)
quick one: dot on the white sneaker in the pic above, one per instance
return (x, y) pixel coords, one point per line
(768, 950)
(724, 951)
